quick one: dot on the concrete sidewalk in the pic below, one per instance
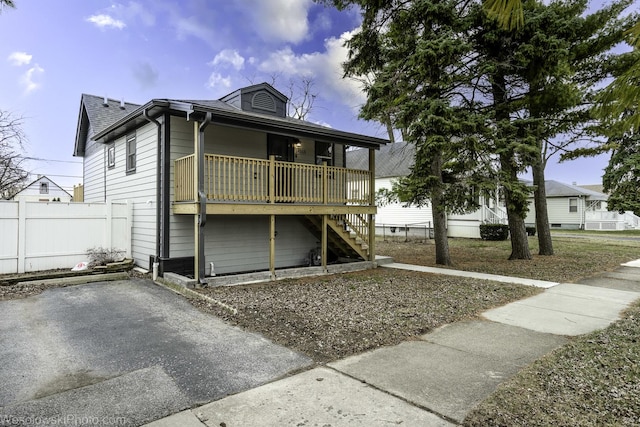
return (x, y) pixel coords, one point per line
(439, 378)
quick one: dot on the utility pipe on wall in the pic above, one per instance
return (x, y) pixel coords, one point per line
(146, 115)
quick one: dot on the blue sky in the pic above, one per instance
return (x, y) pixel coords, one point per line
(52, 52)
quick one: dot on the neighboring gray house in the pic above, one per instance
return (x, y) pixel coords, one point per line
(229, 185)
(577, 207)
(43, 189)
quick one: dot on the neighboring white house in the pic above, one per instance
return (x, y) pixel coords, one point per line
(43, 190)
(577, 207)
(394, 161)
(567, 205)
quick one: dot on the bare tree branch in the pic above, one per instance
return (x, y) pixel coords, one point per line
(12, 140)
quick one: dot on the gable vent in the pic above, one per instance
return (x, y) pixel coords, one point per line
(263, 101)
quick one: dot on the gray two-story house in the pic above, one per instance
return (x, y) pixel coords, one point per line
(230, 185)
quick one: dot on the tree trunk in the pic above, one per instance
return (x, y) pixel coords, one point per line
(542, 216)
(440, 233)
(515, 213)
(439, 214)
(516, 204)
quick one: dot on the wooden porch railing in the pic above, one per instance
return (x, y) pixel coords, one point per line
(356, 224)
(246, 180)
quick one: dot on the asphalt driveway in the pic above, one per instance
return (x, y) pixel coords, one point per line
(123, 353)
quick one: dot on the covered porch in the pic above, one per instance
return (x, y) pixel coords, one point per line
(335, 203)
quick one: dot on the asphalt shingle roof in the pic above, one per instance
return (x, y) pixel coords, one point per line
(392, 160)
(559, 189)
(101, 115)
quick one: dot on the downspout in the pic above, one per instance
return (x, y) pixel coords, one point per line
(145, 113)
(581, 206)
(202, 198)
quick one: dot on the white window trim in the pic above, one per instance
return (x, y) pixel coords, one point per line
(111, 156)
(576, 205)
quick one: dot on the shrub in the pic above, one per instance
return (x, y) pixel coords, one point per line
(531, 231)
(103, 256)
(494, 231)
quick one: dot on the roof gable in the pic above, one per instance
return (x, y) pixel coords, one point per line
(261, 98)
(95, 115)
(36, 183)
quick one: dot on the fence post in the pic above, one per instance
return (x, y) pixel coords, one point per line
(22, 235)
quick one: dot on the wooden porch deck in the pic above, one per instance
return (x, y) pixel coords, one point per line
(240, 185)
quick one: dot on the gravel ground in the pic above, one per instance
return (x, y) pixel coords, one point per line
(24, 291)
(9, 290)
(331, 317)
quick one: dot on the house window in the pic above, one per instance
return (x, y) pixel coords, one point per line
(44, 188)
(324, 153)
(131, 153)
(573, 205)
(111, 156)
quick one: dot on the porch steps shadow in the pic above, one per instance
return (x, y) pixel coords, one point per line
(341, 242)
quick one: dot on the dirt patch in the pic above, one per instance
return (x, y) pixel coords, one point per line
(11, 289)
(331, 317)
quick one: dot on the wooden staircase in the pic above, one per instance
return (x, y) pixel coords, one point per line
(343, 237)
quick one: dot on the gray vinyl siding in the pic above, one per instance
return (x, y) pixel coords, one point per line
(228, 141)
(139, 189)
(241, 243)
(234, 243)
(93, 164)
(180, 226)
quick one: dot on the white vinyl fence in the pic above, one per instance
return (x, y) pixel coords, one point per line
(41, 236)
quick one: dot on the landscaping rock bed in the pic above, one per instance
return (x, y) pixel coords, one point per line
(331, 317)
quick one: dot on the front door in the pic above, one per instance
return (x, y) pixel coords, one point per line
(281, 147)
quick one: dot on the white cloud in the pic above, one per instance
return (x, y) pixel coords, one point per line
(217, 82)
(136, 10)
(31, 80)
(280, 20)
(324, 67)
(106, 21)
(190, 27)
(19, 58)
(229, 56)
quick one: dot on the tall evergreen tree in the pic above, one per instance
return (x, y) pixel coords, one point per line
(622, 175)
(562, 59)
(419, 54)
(498, 81)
